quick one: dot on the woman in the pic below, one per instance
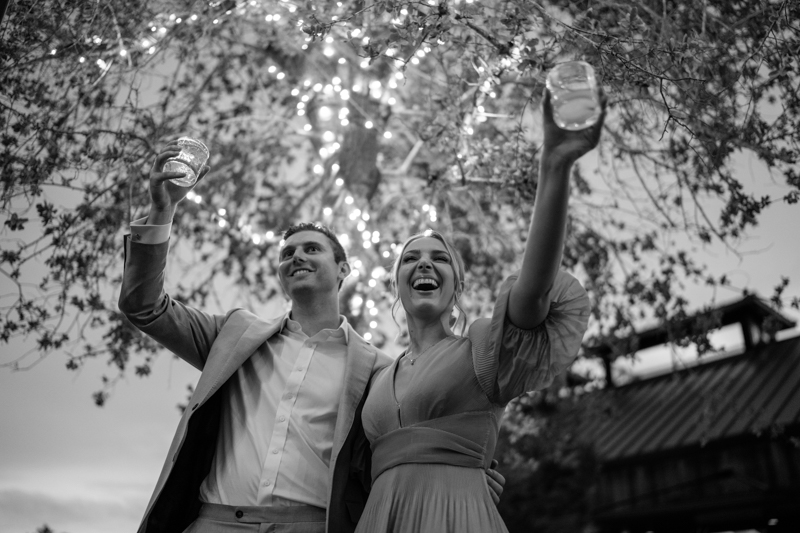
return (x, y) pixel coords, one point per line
(432, 417)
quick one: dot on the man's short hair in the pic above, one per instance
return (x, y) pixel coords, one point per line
(339, 254)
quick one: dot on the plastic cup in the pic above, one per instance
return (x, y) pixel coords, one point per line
(190, 161)
(574, 95)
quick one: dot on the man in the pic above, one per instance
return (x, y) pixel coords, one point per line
(271, 439)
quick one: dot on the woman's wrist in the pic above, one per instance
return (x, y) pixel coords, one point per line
(554, 163)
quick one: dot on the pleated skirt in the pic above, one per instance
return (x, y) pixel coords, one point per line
(431, 498)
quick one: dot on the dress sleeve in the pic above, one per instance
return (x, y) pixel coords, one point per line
(510, 361)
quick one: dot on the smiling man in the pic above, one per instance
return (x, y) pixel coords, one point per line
(272, 435)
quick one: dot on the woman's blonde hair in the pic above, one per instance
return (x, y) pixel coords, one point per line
(457, 264)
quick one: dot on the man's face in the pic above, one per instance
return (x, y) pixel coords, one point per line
(307, 264)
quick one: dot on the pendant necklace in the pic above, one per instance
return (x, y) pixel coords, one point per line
(414, 360)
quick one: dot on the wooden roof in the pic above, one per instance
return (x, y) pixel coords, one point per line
(754, 392)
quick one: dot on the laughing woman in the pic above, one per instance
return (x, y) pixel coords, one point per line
(432, 418)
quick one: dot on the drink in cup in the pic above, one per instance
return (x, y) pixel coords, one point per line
(190, 161)
(574, 95)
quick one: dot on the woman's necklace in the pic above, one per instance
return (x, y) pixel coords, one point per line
(414, 359)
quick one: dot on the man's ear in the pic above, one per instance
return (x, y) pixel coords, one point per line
(344, 270)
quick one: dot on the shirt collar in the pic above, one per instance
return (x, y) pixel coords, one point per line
(341, 332)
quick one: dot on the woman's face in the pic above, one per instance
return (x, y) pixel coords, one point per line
(425, 279)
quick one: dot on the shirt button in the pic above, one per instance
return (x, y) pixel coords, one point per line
(281, 418)
(289, 396)
(239, 514)
(275, 450)
(267, 483)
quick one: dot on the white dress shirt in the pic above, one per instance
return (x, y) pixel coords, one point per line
(278, 415)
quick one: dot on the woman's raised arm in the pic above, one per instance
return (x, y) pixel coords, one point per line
(529, 300)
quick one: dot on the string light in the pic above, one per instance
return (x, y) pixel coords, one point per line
(372, 87)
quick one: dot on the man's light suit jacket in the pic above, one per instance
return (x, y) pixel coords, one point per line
(218, 345)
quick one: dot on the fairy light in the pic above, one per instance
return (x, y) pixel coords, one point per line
(324, 110)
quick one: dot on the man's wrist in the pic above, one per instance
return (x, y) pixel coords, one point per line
(159, 217)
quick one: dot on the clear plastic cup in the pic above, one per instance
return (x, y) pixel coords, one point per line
(190, 161)
(574, 95)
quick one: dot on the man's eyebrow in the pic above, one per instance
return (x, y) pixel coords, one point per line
(302, 244)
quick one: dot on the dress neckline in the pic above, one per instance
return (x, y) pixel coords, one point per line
(423, 362)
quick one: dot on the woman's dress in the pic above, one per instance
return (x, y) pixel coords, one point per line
(430, 449)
